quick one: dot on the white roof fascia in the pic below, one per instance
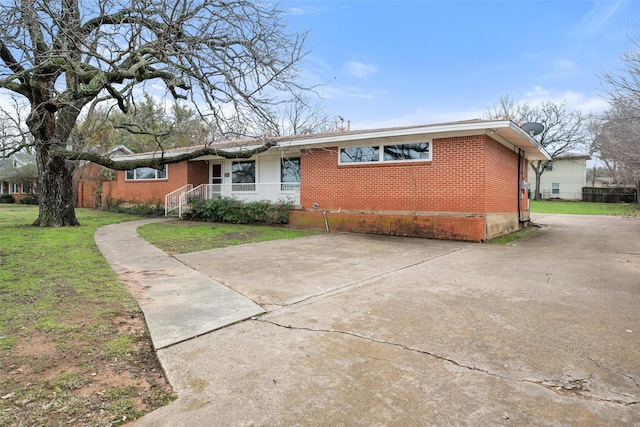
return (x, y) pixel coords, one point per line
(523, 140)
(504, 131)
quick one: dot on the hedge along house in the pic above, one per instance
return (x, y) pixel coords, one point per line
(461, 180)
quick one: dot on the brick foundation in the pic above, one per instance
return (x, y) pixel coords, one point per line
(452, 227)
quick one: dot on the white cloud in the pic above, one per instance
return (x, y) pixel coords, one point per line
(561, 69)
(334, 91)
(420, 116)
(306, 9)
(359, 69)
(574, 100)
(596, 19)
(565, 64)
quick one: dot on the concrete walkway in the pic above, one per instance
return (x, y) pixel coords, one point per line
(178, 302)
(374, 331)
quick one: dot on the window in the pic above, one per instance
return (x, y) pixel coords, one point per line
(243, 176)
(549, 167)
(146, 173)
(290, 174)
(420, 151)
(555, 188)
(28, 188)
(359, 155)
(394, 153)
(14, 188)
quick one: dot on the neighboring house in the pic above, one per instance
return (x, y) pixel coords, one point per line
(563, 178)
(462, 180)
(18, 176)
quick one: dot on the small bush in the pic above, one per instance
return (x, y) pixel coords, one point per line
(227, 209)
(29, 201)
(7, 198)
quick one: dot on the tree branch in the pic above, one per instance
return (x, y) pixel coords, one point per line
(163, 157)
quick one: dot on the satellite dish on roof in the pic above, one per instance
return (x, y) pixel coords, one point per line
(532, 128)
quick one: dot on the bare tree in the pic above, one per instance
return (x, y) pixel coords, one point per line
(230, 58)
(624, 85)
(302, 117)
(564, 129)
(616, 130)
(616, 139)
(14, 135)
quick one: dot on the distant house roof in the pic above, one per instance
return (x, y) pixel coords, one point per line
(120, 150)
(573, 156)
(505, 132)
(10, 165)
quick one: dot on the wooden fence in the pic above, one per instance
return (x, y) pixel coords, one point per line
(610, 195)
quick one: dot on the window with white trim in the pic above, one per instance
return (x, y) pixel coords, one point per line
(146, 174)
(243, 175)
(555, 188)
(29, 188)
(384, 153)
(290, 174)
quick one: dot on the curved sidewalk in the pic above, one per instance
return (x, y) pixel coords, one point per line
(179, 303)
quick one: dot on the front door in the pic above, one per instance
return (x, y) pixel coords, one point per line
(216, 179)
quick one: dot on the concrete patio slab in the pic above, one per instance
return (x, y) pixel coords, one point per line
(279, 273)
(374, 331)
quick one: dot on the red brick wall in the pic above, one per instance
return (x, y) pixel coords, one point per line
(88, 180)
(153, 191)
(197, 173)
(447, 197)
(452, 182)
(501, 183)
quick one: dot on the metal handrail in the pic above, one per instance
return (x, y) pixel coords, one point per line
(272, 191)
(172, 200)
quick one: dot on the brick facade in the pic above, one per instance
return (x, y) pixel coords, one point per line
(153, 191)
(468, 191)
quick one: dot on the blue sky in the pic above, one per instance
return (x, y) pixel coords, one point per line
(396, 63)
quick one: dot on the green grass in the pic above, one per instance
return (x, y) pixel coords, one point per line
(508, 238)
(60, 302)
(177, 237)
(584, 208)
(46, 272)
(65, 317)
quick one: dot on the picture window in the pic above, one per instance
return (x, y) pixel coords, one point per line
(420, 151)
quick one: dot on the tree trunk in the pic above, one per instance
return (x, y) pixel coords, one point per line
(55, 187)
(538, 168)
(538, 194)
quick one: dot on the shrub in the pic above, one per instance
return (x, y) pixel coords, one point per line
(29, 201)
(227, 209)
(7, 198)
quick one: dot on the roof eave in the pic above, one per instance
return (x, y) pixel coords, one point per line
(504, 131)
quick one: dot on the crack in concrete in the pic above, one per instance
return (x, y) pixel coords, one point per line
(574, 388)
(633, 379)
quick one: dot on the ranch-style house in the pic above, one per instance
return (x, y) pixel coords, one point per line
(462, 180)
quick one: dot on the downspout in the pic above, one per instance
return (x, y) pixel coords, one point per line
(520, 187)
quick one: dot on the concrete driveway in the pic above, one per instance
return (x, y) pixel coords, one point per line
(374, 331)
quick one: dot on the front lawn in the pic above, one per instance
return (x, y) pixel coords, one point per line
(74, 347)
(178, 237)
(583, 208)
